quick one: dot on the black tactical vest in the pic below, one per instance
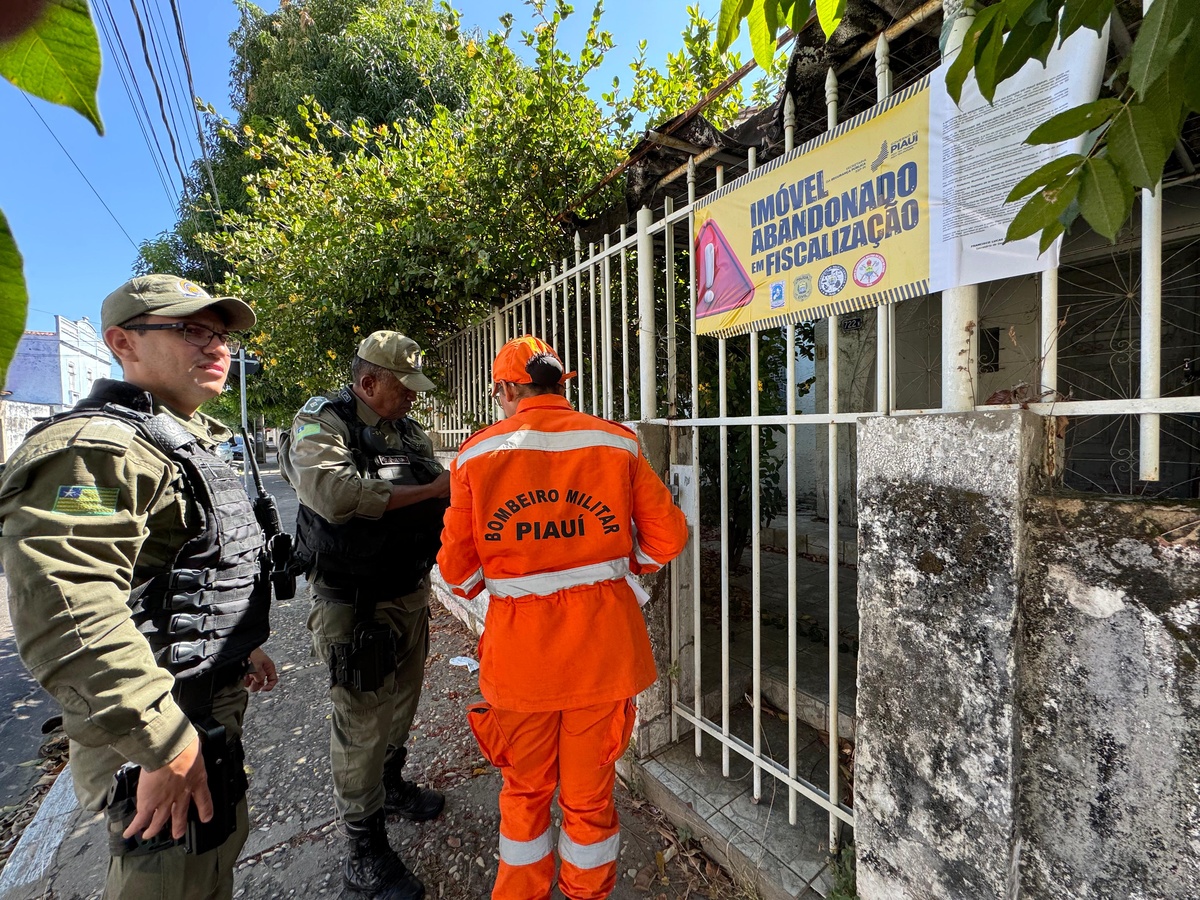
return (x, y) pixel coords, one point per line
(207, 612)
(385, 557)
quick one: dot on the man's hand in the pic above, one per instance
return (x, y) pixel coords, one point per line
(262, 675)
(408, 494)
(166, 794)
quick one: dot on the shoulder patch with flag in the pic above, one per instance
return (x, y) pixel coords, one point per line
(86, 500)
(305, 430)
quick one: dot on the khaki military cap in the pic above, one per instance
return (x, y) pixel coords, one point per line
(399, 354)
(170, 295)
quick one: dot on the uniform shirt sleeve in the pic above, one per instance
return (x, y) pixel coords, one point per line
(458, 559)
(320, 466)
(660, 527)
(74, 513)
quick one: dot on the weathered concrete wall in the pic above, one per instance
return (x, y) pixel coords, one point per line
(1110, 701)
(940, 532)
(1028, 682)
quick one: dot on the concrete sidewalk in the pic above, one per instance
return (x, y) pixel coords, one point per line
(294, 850)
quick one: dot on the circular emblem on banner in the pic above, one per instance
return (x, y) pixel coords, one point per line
(801, 288)
(832, 280)
(869, 269)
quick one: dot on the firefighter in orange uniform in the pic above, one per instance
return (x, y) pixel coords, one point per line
(552, 511)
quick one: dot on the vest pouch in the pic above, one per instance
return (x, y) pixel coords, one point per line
(622, 731)
(492, 742)
(370, 656)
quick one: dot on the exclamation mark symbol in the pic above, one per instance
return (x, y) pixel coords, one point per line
(709, 262)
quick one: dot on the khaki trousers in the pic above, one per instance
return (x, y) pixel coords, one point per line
(368, 727)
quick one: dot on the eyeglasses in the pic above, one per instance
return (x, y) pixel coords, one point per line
(497, 391)
(196, 335)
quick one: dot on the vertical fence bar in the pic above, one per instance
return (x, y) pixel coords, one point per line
(960, 305)
(1049, 355)
(580, 364)
(722, 386)
(672, 361)
(883, 366)
(565, 349)
(755, 548)
(624, 327)
(646, 327)
(607, 335)
(831, 102)
(695, 397)
(1151, 325)
(545, 334)
(595, 410)
(789, 144)
(756, 564)
(553, 285)
(723, 451)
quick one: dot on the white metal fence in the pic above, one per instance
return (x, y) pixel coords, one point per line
(613, 312)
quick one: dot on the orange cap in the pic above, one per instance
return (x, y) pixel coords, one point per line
(511, 363)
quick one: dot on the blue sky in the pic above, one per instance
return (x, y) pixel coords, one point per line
(74, 251)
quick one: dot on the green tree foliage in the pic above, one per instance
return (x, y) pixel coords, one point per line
(50, 50)
(1129, 135)
(413, 225)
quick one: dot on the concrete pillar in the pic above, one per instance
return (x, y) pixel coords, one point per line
(940, 536)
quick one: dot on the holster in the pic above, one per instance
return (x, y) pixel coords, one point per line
(366, 660)
(224, 764)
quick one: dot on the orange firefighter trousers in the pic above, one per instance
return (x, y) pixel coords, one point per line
(575, 750)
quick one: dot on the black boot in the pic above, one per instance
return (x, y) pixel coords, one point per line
(404, 798)
(372, 867)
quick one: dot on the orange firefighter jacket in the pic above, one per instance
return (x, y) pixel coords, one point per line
(551, 510)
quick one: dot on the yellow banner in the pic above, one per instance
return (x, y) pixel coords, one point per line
(839, 224)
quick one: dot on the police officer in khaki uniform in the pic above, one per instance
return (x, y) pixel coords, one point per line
(367, 533)
(116, 522)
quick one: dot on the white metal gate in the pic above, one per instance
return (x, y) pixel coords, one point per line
(611, 312)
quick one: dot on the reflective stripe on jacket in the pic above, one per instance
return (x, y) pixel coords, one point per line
(550, 510)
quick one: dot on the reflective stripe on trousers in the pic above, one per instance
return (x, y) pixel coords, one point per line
(575, 751)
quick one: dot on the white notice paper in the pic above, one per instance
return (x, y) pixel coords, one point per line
(977, 154)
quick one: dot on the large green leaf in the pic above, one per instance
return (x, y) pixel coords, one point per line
(14, 297)
(1024, 43)
(987, 58)
(1043, 208)
(1084, 14)
(830, 13)
(729, 21)
(1136, 146)
(956, 76)
(1163, 34)
(58, 59)
(1075, 121)
(1105, 198)
(1051, 171)
(801, 10)
(762, 20)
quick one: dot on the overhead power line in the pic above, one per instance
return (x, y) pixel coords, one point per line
(168, 68)
(158, 92)
(80, 171)
(112, 36)
(187, 68)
